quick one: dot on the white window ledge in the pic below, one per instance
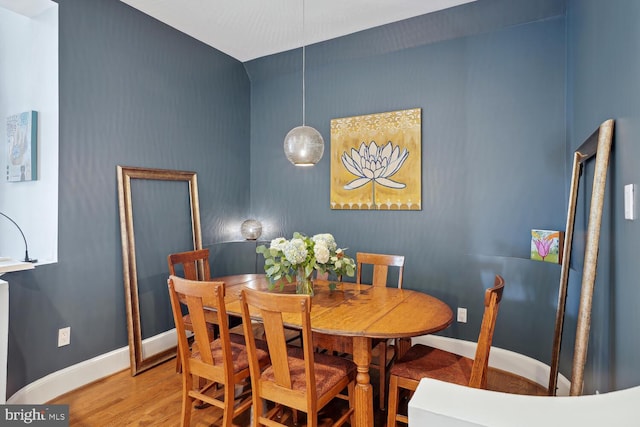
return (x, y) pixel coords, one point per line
(8, 265)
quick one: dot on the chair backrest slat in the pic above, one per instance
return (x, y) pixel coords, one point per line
(274, 309)
(195, 264)
(381, 264)
(274, 330)
(197, 295)
(492, 298)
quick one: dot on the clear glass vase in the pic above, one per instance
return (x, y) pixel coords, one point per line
(304, 285)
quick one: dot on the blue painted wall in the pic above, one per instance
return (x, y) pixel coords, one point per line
(133, 92)
(604, 65)
(493, 163)
(503, 85)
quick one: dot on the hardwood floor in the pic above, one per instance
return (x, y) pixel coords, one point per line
(153, 398)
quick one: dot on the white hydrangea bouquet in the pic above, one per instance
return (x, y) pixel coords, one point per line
(300, 256)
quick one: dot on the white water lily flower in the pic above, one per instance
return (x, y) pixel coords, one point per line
(373, 163)
(322, 253)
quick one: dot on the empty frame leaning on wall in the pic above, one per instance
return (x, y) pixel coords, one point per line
(139, 362)
(598, 145)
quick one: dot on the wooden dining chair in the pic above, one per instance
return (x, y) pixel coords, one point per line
(222, 362)
(422, 361)
(380, 264)
(297, 378)
(382, 358)
(194, 265)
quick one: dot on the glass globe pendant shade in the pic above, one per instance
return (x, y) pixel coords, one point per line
(303, 146)
(251, 229)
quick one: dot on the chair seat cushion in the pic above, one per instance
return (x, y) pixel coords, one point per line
(422, 361)
(238, 350)
(329, 370)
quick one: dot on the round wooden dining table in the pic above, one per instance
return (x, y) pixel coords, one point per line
(363, 312)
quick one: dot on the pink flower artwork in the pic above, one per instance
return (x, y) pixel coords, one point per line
(547, 245)
(543, 247)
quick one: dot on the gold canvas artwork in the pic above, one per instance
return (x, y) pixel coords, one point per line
(376, 161)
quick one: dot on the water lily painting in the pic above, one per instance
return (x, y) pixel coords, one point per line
(547, 245)
(376, 161)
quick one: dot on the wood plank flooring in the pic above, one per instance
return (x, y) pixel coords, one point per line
(153, 398)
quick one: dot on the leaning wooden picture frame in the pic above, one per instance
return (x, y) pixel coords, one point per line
(140, 362)
(598, 145)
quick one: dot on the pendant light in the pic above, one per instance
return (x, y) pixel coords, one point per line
(303, 145)
(251, 229)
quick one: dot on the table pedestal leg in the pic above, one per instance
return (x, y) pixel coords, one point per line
(402, 345)
(364, 390)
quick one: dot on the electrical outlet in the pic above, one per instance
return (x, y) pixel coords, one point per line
(462, 315)
(64, 336)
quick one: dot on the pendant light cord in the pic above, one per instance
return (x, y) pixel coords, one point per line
(303, 67)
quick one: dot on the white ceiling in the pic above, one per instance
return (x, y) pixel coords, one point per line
(249, 29)
(27, 7)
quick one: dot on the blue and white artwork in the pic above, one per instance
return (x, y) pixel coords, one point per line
(22, 148)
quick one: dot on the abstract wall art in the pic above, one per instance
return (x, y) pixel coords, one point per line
(376, 161)
(22, 147)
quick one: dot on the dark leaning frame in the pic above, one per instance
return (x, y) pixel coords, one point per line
(125, 174)
(598, 145)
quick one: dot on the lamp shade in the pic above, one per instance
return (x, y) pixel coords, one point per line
(303, 146)
(251, 229)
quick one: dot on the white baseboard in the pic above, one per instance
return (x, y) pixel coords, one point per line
(499, 358)
(75, 376)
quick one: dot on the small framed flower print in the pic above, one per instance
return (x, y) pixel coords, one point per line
(547, 245)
